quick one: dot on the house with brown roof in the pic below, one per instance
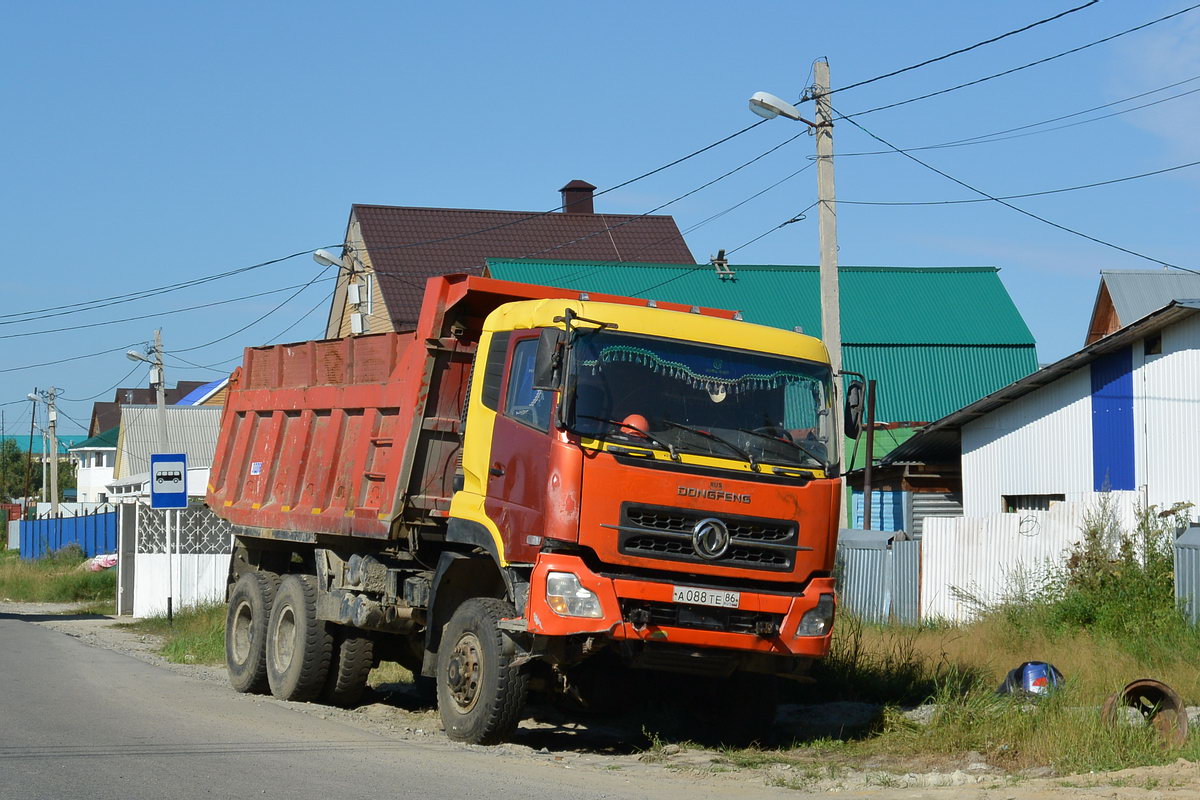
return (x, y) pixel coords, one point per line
(107, 415)
(390, 251)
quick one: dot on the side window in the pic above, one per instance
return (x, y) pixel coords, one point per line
(522, 402)
(493, 369)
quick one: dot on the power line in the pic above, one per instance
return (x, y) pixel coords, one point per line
(116, 385)
(687, 194)
(689, 270)
(1017, 196)
(1023, 66)
(797, 218)
(998, 136)
(154, 315)
(145, 293)
(1018, 209)
(962, 50)
(256, 321)
(120, 349)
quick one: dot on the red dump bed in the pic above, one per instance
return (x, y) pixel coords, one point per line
(357, 436)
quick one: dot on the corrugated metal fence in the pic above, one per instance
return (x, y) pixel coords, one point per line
(878, 575)
(1187, 573)
(94, 533)
(970, 563)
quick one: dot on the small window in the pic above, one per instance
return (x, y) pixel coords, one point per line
(493, 369)
(369, 288)
(1152, 345)
(1031, 502)
(524, 403)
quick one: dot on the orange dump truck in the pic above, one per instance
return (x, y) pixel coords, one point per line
(531, 483)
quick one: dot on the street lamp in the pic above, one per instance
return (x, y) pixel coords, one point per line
(328, 259)
(769, 106)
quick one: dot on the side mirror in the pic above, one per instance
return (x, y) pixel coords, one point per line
(548, 361)
(854, 409)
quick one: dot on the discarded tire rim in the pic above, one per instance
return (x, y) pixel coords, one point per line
(1160, 706)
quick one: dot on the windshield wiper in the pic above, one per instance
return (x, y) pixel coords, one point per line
(670, 448)
(783, 440)
(708, 435)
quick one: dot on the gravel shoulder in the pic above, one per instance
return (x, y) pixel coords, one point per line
(398, 713)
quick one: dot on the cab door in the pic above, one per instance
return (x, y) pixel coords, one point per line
(519, 463)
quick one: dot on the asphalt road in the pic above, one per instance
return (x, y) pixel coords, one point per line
(80, 721)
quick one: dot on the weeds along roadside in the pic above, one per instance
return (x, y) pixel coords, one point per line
(1104, 618)
(57, 578)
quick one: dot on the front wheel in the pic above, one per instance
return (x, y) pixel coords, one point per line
(480, 693)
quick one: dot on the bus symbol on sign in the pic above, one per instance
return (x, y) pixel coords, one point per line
(168, 480)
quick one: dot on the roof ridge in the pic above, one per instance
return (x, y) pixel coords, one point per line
(554, 214)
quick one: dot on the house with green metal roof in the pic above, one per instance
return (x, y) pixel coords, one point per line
(934, 338)
(95, 458)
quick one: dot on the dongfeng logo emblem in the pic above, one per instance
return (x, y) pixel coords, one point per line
(710, 538)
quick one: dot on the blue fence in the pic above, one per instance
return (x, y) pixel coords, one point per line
(94, 533)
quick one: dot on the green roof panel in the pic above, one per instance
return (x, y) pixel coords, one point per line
(935, 338)
(956, 305)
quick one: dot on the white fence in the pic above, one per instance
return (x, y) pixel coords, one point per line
(983, 558)
(182, 554)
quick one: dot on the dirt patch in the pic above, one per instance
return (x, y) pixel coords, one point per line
(403, 711)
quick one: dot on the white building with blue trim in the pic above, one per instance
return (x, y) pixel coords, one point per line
(1123, 413)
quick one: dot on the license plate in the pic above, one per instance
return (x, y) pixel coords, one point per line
(705, 597)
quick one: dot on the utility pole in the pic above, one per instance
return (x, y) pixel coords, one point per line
(831, 316)
(158, 378)
(51, 397)
(29, 462)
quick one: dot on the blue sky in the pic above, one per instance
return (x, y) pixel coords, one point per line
(151, 143)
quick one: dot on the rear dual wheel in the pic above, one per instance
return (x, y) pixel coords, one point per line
(299, 646)
(246, 626)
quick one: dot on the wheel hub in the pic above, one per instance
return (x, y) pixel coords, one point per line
(464, 672)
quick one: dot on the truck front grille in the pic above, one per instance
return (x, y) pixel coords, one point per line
(655, 532)
(704, 618)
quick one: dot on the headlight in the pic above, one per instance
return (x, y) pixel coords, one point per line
(568, 598)
(817, 621)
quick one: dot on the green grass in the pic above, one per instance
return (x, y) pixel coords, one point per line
(196, 635)
(56, 578)
(1105, 618)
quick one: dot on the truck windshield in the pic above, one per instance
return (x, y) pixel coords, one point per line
(703, 399)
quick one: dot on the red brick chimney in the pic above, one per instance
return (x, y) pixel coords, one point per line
(577, 197)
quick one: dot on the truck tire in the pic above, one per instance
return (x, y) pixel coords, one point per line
(246, 631)
(351, 662)
(480, 694)
(298, 644)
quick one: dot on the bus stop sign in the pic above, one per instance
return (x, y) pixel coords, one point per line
(168, 480)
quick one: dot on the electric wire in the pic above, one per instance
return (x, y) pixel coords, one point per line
(287, 300)
(962, 50)
(1017, 196)
(684, 272)
(797, 218)
(146, 293)
(69, 359)
(999, 136)
(537, 215)
(155, 314)
(1038, 62)
(1009, 205)
(136, 367)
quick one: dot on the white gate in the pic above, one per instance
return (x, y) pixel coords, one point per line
(181, 554)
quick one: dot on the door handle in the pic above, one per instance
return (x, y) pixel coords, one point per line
(496, 470)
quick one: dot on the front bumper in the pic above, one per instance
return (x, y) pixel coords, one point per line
(662, 620)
